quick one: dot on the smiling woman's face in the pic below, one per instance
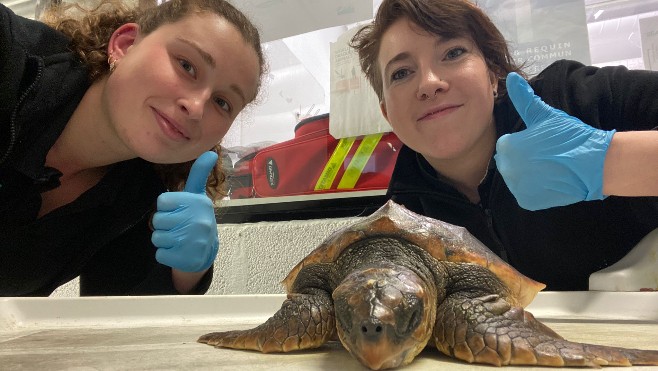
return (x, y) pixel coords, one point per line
(177, 90)
(438, 94)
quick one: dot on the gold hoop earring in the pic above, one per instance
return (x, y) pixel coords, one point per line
(112, 62)
(495, 94)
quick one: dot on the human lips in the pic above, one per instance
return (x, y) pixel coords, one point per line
(170, 127)
(438, 111)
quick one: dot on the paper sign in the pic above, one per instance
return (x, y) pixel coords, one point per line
(354, 106)
(649, 37)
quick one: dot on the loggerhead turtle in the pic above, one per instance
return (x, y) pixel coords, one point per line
(397, 281)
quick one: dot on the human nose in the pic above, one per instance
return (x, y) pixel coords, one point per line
(430, 85)
(193, 104)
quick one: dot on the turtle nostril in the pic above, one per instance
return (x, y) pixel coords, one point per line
(366, 329)
(371, 329)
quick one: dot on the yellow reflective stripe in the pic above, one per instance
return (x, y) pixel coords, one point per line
(333, 165)
(361, 157)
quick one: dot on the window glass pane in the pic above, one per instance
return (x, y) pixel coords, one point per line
(598, 32)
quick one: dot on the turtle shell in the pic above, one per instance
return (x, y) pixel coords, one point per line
(443, 241)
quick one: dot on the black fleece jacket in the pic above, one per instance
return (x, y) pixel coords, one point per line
(560, 246)
(103, 236)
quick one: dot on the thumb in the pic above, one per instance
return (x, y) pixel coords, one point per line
(531, 108)
(196, 181)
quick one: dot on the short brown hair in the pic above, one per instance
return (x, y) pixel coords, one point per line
(445, 18)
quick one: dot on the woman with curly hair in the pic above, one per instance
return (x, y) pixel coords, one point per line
(110, 123)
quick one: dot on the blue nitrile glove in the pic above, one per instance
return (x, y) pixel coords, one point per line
(557, 160)
(185, 229)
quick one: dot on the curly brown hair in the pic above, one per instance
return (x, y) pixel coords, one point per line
(445, 18)
(90, 30)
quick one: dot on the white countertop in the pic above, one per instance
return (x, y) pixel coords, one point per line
(159, 333)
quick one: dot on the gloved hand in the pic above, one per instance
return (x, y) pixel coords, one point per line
(185, 229)
(557, 160)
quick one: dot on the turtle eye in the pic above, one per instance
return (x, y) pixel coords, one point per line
(410, 314)
(343, 315)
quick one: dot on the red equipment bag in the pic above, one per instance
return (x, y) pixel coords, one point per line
(315, 162)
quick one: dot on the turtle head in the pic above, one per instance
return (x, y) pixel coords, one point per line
(384, 315)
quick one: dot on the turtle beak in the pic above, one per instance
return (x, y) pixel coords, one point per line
(380, 357)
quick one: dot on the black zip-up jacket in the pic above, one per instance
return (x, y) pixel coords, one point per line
(103, 236)
(560, 246)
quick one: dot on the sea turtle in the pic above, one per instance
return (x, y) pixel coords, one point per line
(396, 281)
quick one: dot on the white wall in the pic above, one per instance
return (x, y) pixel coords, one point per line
(255, 257)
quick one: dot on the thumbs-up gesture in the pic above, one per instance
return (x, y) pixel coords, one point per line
(185, 230)
(558, 160)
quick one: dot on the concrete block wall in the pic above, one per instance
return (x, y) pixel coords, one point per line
(253, 258)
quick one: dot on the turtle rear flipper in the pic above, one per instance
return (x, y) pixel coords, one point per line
(304, 321)
(490, 330)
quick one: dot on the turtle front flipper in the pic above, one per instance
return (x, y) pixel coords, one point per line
(304, 321)
(490, 330)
